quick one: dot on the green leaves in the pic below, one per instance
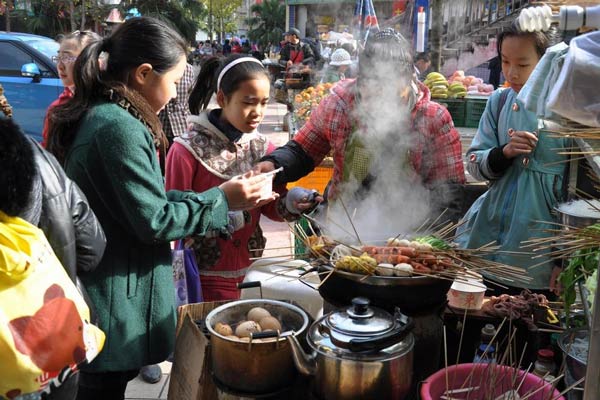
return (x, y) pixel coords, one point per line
(581, 265)
(434, 242)
(268, 22)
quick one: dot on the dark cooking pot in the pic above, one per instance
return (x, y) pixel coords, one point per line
(255, 366)
(411, 294)
(359, 353)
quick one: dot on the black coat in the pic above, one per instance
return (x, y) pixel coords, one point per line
(60, 209)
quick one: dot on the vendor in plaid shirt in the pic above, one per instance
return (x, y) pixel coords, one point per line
(173, 117)
(338, 123)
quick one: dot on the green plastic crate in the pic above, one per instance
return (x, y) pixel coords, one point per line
(473, 111)
(456, 108)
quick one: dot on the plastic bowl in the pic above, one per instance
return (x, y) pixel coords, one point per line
(466, 295)
(492, 381)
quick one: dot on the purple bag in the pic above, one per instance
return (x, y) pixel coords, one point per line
(185, 276)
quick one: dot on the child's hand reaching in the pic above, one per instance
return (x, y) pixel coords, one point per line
(244, 192)
(521, 142)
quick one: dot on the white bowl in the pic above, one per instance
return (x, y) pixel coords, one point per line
(467, 295)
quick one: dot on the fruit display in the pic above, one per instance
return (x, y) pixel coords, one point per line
(438, 85)
(470, 84)
(306, 101)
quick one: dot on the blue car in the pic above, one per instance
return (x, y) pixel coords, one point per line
(29, 77)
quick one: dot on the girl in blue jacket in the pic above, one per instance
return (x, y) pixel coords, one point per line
(523, 167)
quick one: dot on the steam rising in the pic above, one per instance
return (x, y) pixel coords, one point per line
(396, 202)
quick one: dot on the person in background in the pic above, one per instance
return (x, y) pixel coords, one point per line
(207, 50)
(226, 48)
(173, 117)
(524, 169)
(495, 67)
(236, 47)
(422, 64)
(36, 189)
(107, 137)
(339, 64)
(220, 144)
(70, 47)
(294, 51)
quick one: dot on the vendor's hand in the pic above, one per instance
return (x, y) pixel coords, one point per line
(300, 200)
(244, 192)
(263, 166)
(555, 286)
(521, 142)
(289, 63)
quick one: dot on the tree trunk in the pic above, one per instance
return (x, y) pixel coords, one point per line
(72, 15)
(83, 10)
(8, 6)
(435, 35)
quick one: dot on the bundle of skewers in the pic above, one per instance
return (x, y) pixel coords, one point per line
(429, 254)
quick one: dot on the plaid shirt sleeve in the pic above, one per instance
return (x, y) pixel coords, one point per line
(438, 158)
(174, 115)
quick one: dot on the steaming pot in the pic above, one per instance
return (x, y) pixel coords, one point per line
(359, 353)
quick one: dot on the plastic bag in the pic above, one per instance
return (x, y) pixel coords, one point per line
(44, 328)
(574, 95)
(186, 276)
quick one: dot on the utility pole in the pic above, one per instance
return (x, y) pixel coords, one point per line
(435, 35)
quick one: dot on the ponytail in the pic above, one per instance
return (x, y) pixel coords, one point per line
(205, 86)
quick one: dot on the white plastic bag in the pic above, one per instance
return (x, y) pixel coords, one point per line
(575, 95)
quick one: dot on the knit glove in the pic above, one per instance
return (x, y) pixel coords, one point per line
(301, 195)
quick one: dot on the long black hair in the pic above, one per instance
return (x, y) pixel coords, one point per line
(206, 82)
(106, 65)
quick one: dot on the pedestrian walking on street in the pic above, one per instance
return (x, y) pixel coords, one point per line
(108, 137)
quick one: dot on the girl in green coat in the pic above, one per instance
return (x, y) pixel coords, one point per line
(108, 137)
(523, 167)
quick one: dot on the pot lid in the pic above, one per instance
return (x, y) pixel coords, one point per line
(359, 329)
(360, 319)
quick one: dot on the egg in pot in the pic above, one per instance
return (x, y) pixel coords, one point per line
(245, 328)
(257, 313)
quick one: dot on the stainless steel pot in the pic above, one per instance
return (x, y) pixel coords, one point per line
(573, 219)
(359, 353)
(255, 367)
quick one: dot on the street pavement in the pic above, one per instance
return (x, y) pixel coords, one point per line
(279, 243)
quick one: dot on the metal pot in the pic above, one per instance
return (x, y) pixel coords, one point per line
(571, 219)
(576, 365)
(416, 294)
(255, 367)
(359, 353)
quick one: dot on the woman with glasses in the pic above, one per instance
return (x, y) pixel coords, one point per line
(70, 47)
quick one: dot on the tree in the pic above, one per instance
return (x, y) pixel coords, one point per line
(6, 6)
(184, 16)
(221, 16)
(268, 22)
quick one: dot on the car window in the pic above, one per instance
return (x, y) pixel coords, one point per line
(47, 47)
(12, 59)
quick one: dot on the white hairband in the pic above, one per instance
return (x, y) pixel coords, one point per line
(233, 64)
